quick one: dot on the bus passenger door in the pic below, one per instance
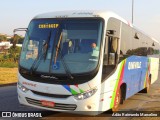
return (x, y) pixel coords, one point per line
(110, 59)
(111, 50)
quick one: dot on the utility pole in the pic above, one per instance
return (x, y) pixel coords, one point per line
(132, 10)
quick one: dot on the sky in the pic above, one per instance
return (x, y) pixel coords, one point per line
(18, 13)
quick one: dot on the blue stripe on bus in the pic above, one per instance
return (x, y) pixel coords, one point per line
(135, 74)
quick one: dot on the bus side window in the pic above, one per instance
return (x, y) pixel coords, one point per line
(110, 55)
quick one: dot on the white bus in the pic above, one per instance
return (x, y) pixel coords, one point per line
(79, 61)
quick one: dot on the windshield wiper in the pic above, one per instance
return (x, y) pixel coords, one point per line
(65, 65)
(46, 45)
(58, 50)
(45, 49)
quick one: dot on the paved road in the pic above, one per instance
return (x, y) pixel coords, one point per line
(9, 100)
(138, 102)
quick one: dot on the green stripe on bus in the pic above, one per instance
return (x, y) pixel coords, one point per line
(116, 86)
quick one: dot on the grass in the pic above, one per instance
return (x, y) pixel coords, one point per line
(8, 64)
(8, 75)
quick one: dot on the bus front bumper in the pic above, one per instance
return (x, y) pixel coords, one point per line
(87, 106)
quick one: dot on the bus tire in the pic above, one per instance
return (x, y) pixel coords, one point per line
(148, 83)
(123, 92)
(118, 99)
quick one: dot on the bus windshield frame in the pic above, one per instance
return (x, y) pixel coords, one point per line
(62, 46)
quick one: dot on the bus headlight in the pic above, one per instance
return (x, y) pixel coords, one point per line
(21, 87)
(85, 95)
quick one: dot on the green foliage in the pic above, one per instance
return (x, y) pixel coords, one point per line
(20, 40)
(17, 39)
(11, 58)
(8, 64)
(14, 53)
(3, 38)
(15, 50)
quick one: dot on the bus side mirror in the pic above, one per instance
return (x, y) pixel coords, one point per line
(113, 51)
(112, 59)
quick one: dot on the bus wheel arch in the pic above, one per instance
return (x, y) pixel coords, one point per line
(123, 88)
(150, 78)
(120, 97)
(148, 83)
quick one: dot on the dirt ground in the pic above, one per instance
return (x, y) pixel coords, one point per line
(8, 75)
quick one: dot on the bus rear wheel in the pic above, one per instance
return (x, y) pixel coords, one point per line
(148, 83)
(117, 101)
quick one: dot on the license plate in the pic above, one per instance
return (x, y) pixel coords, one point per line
(47, 103)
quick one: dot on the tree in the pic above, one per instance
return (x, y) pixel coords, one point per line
(14, 52)
(16, 38)
(3, 38)
(20, 40)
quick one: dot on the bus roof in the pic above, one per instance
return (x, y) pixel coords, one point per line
(86, 14)
(80, 14)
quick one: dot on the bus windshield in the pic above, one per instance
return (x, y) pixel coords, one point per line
(50, 45)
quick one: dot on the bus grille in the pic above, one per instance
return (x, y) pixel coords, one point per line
(50, 95)
(58, 106)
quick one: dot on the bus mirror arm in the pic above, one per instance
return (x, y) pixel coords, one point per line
(105, 60)
(20, 29)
